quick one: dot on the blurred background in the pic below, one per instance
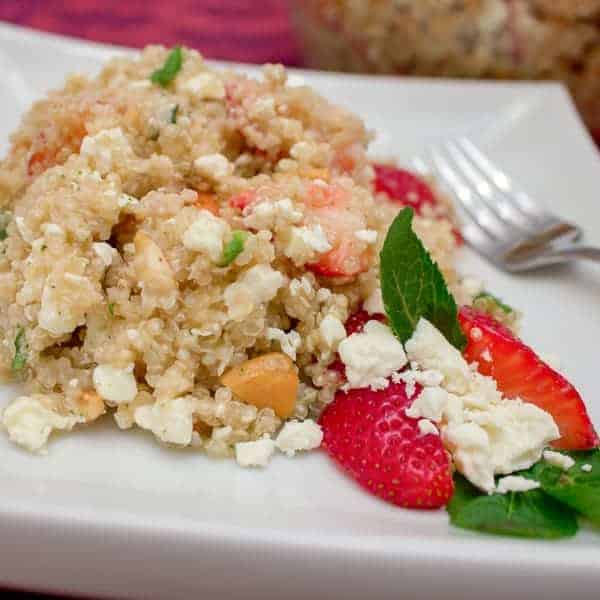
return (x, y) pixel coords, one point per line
(497, 39)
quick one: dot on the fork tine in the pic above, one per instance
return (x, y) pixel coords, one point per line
(474, 208)
(506, 211)
(500, 179)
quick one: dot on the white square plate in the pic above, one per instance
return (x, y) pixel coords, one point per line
(113, 514)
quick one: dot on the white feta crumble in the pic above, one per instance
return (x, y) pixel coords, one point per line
(296, 436)
(371, 356)
(587, 468)
(256, 286)
(505, 437)
(289, 342)
(332, 330)
(104, 251)
(430, 349)
(556, 459)
(23, 230)
(53, 229)
(29, 422)
(269, 215)
(369, 236)
(117, 386)
(486, 356)
(66, 298)
(213, 166)
(206, 86)
(516, 483)
(255, 454)
(476, 334)
(430, 404)
(374, 303)
(206, 234)
(313, 238)
(426, 426)
(171, 421)
(106, 149)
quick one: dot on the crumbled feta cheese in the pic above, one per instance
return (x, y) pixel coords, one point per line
(106, 149)
(206, 86)
(470, 447)
(66, 298)
(53, 229)
(371, 356)
(374, 303)
(430, 404)
(332, 331)
(254, 454)
(516, 483)
(587, 468)
(117, 386)
(430, 349)
(426, 426)
(289, 342)
(486, 356)
(296, 436)
(29, 422)
(171, 421)
(369, 236)
(213, 166)
(206, 234)
(271, 215)
(256, 286)
(510, 436)
(305, 242)
(104, 251)
(556, 459)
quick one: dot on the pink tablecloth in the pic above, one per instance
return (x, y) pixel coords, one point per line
(244, 30)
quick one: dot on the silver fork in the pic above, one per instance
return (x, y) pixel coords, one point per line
(502, 221)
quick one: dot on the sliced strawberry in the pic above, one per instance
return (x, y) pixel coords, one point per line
(358, 320)
(519, 372)
(404, 187)
(329, 207)
(369, 435)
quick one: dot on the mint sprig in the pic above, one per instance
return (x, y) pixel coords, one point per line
(233, 248)
(530, 514)
(412, 285)
(487, 298)
(20, 358)
(170, 68)
(575, 488)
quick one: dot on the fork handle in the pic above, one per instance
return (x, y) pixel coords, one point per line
(576, 252)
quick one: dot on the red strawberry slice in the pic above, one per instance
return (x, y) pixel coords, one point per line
(368, 434)
(404, 187)
(359, 319)
(520, 372)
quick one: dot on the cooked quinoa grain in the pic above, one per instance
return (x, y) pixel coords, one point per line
(160, 234)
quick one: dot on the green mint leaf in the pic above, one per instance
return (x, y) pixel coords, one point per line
(233, 248)
(174, 112)
(486, 298)
(169, 70)
(530, 514)
(576, 488)
(5, 218)
(20, 359)
(413, 286)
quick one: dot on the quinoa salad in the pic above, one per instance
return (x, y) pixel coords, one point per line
(214, 259)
